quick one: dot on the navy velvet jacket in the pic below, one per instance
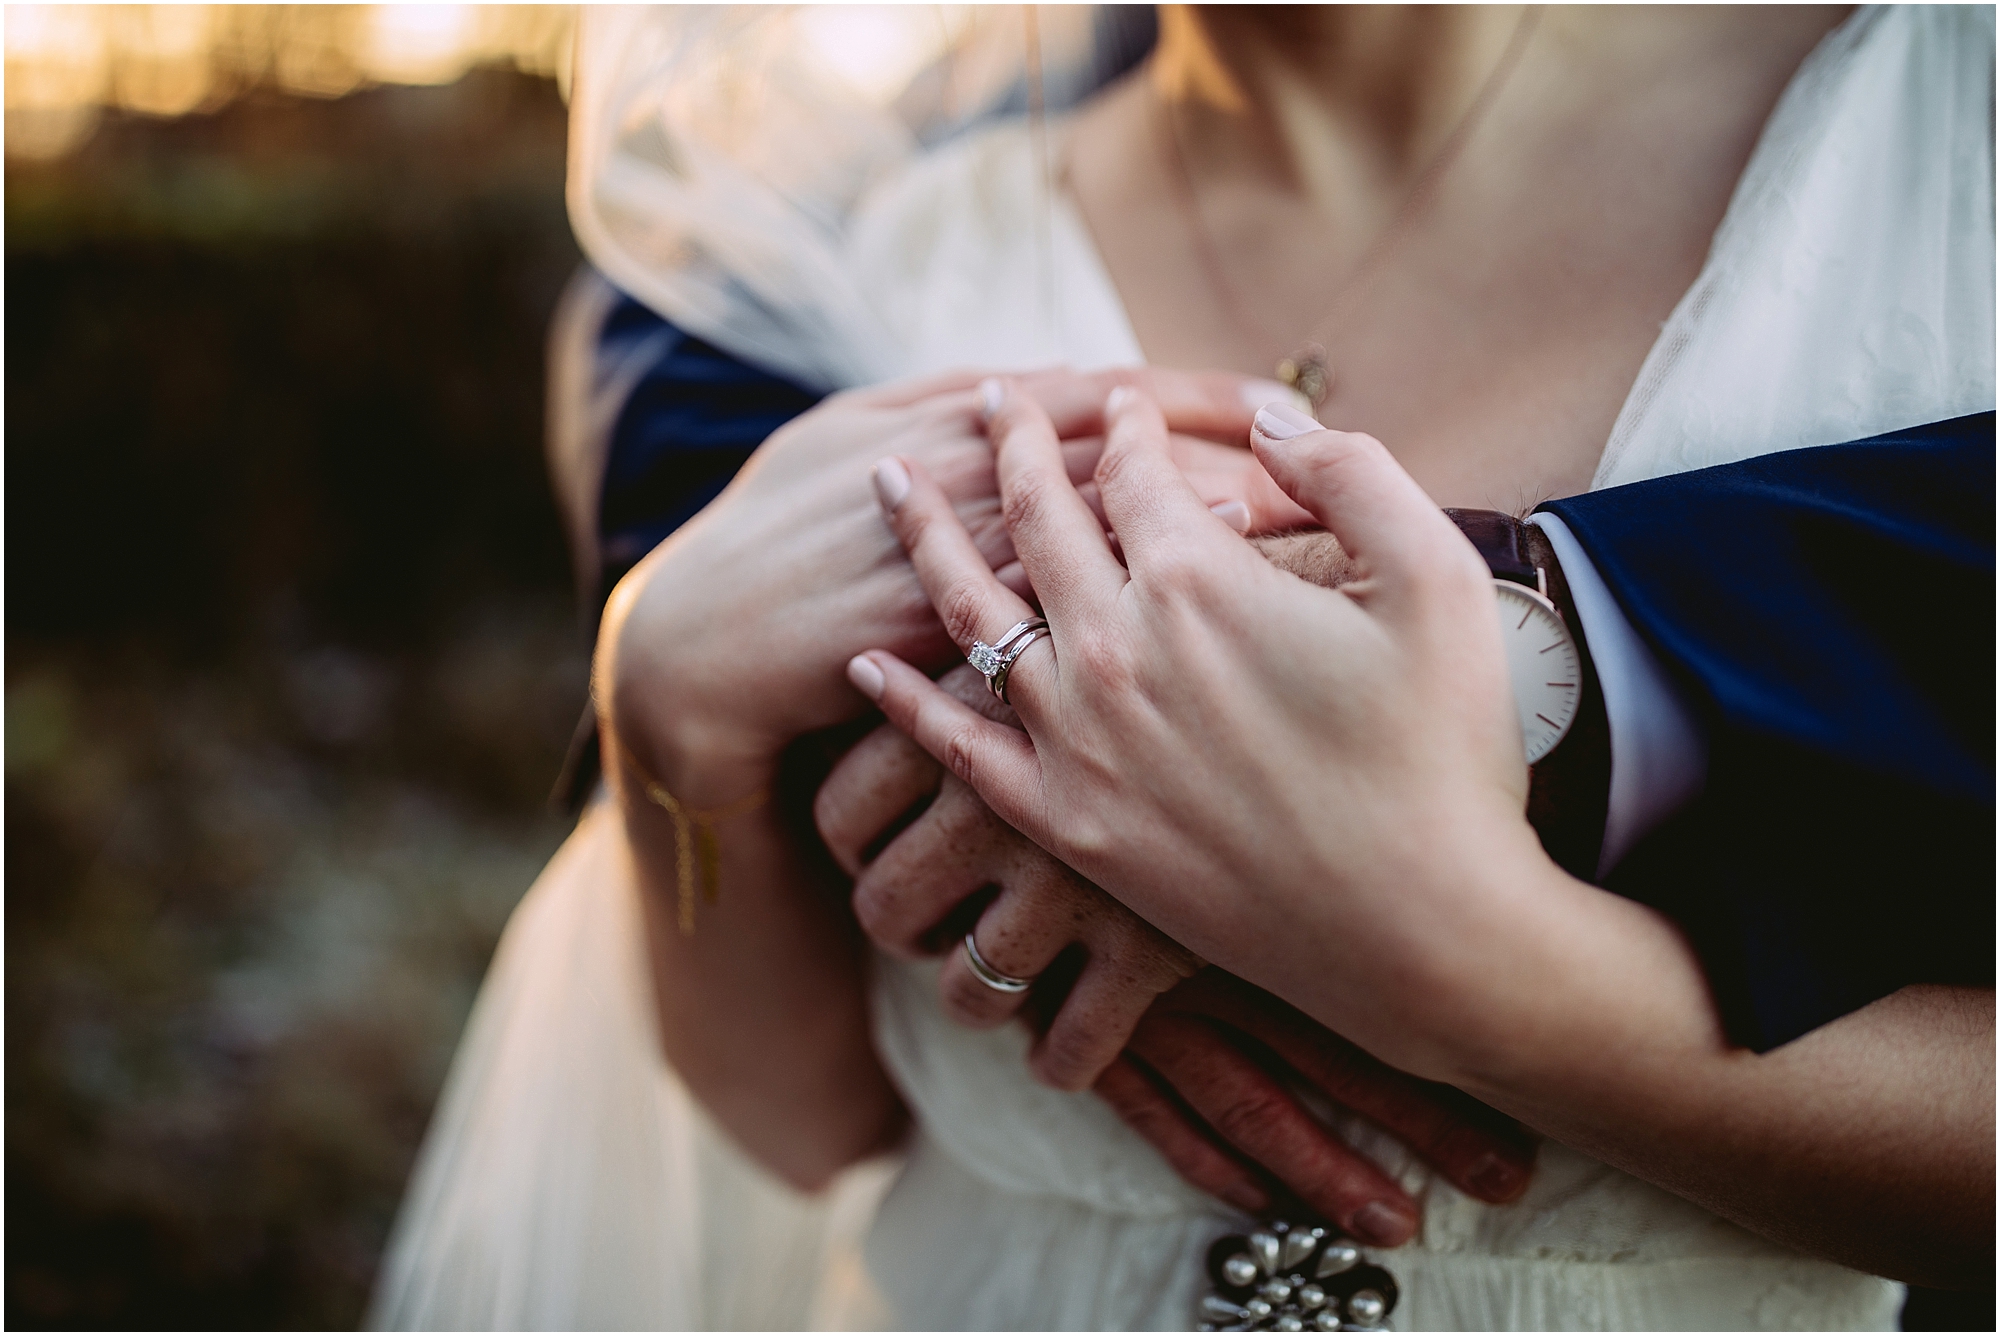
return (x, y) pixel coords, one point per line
(1830, 614)
(1828, 611)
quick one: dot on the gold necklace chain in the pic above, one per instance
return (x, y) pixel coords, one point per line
(1306, 369)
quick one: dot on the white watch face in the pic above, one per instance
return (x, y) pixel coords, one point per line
(1542, 660)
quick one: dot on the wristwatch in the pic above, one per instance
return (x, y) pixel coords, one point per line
(1564, 730)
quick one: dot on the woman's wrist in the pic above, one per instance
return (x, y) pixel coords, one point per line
(702, 757)
(663, 706)
(1591, 988)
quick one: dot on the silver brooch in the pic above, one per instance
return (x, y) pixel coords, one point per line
(1294, 1278)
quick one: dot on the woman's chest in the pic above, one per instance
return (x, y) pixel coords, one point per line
(1490, 346)
(1488, 325)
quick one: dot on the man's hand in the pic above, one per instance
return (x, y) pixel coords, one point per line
(1314, 555)
(921, 891)
(1219, 1076)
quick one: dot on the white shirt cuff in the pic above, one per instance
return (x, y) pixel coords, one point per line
(1659, 754)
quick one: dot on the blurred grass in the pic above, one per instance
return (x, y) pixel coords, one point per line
(291, 663)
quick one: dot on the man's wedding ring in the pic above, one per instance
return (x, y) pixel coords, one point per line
(986, 974)
(996, 661)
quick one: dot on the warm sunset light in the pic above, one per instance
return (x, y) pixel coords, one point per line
(65, 63)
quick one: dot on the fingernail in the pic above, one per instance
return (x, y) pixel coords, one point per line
(1115, 401)
(1494, 1179)
(1247, 1197)
(1281, 422)
(892, 482)
(1379, 1222)
(991, 394)
(867, 678)
(1233, 513)
(1257, 393)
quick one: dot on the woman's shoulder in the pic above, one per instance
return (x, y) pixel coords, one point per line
(982, 180)
(972, 255)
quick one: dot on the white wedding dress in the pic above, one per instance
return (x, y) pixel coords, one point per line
(568, 1179)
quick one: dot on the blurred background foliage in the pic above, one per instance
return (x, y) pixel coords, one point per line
(292, 656)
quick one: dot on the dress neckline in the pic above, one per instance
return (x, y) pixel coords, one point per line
(1675, 332)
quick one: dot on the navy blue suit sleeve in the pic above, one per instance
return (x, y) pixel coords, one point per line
(690, 422)
(1830, 613)
(692, 419)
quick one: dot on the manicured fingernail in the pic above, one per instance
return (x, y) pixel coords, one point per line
(1379, 1222)
(1494, 1179)
(991, 394)
(1115, 401)
(1281, 422)
(1257, 393)
(1233, 513)
(867, 678)
(1247, 1197)
(892, 482)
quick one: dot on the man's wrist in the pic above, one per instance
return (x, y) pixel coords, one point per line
(1569, 787)
(1569, 790)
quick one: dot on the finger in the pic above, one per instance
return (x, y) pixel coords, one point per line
(1216, 404)
(1021, 933)
(947, 854)
(966, 685)
(1480, 1151)
(1056, 536)
(901, 393)
(1352, 485)
(996, 760)
(1149, 504)
(1226, 472)
(1222, 475)
(1155, 1115)
(1130, 965)
(1249, 1109)
(880, 779)
(970, 601)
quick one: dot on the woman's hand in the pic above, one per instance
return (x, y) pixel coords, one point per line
(792, 559)
(1214, 1066)
(1321, 790)
(915, 884)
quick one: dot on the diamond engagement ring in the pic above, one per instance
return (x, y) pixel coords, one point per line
(986, 974)
(996, 660)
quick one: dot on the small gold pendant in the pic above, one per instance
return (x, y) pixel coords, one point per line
(1307, 372)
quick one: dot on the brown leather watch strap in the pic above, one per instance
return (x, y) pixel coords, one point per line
(1569, 790)
(1503, 541)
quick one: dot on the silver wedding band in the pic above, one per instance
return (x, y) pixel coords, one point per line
(995, 661)
(986, 974)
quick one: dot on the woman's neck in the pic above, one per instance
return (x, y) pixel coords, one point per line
(1342, 104)
(1244, 195)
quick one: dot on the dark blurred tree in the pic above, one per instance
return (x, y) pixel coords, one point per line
(290, 669)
